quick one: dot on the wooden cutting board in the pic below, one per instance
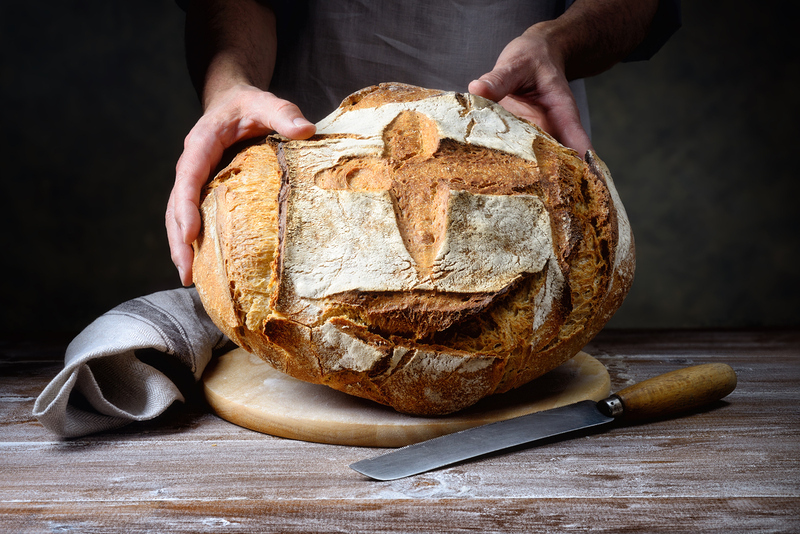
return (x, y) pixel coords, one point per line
(245, 390)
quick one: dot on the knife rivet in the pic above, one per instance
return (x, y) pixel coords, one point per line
(611, 406)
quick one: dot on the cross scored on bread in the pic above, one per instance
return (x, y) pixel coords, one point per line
(420, 176)
(416, 214)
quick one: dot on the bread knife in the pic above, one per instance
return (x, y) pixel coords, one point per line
(661, 396)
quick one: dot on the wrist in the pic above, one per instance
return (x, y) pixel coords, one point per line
(230, 95)
(592, 36)
(553, 39)
(223, 77)
(229, 43)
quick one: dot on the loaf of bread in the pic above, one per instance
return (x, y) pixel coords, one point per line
(424, 249)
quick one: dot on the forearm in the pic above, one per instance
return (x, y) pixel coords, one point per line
(229, 42)
(594, 35)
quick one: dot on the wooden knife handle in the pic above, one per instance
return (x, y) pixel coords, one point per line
(677, 391)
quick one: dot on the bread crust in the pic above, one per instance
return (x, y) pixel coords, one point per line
(424, 250)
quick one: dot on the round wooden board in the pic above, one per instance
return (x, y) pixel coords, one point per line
(245, 390)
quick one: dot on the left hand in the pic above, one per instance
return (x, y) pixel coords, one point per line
(528, 80)
(240, 112)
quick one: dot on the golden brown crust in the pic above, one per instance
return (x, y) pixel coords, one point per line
(490, 266)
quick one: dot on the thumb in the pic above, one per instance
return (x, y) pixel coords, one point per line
(287, 119)
(494, 85)
(507, 76)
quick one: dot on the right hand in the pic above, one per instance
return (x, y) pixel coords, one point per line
(238, 113)
(529, 81)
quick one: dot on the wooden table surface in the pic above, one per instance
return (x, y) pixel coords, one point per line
(734, 467)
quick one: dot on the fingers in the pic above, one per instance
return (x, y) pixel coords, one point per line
(569, 131)
(562, 118)
(203, 149)
(181, 253)
(242, 112)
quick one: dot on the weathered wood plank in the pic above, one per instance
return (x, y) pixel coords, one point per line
(486, 516)
(663, 459)
(732, 467)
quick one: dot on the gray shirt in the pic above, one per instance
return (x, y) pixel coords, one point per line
(328, 49)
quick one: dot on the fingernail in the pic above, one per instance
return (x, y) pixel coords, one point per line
(301, 122)
(184, 235)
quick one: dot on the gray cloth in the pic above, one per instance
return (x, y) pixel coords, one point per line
(106, 383)
(328, 49)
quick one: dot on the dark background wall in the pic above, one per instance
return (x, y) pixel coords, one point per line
(702, 142)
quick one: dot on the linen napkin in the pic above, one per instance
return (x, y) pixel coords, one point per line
(129, 364)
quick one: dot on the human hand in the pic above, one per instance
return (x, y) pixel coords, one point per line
(528, 80)
(238, 113)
